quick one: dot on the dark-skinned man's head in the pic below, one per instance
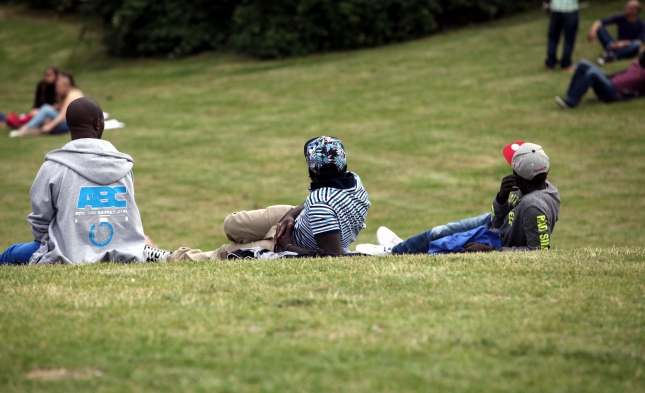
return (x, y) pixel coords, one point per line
(85, 119)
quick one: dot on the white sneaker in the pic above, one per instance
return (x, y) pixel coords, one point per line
(385, 237)
(373, 249)
(154, 254)
(563, 103)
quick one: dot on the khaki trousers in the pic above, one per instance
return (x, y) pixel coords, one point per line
(246, 229)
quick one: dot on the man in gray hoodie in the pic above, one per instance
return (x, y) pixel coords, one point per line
(83, 207)
(524, 211)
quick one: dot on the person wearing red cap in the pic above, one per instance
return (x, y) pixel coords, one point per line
(524, 211)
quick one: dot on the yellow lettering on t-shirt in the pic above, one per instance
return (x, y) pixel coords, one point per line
(511, 216)
(513, 198)
(544, 241)
(542, 224)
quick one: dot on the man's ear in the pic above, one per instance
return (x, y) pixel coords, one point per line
(98, 124)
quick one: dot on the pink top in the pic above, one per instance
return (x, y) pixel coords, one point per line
(631, 81)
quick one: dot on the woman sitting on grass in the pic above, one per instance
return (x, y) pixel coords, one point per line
(48, 120)
(45, 91)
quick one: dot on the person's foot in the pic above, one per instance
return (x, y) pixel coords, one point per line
(385, 237)
(564, 103)
(153, 254)
(374, 249)
(605, 58)
(569, 69)
(28, 132)
(601, 59)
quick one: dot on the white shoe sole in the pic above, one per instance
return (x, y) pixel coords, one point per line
(372, 249)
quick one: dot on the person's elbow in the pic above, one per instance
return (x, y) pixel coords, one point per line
(330, 243)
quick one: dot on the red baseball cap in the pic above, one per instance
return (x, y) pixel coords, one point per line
(509, 151)
(527, 159)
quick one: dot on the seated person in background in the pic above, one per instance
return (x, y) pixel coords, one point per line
(524, 212)
(631, 34)
(48, 120)
(82, 200)
(329, 220)
(46, 91)
(620, 85)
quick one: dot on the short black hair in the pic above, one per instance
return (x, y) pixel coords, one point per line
(82, 112)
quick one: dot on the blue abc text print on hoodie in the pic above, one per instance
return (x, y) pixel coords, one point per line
(83, 207)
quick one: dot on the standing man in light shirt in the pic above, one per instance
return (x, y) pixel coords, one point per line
(564, 17)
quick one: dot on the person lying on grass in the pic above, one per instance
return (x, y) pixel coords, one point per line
(82, 200)
(621, 85)
(524, 211)
(328, 221)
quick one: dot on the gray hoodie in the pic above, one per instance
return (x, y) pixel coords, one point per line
(83, 206)
(526, 222)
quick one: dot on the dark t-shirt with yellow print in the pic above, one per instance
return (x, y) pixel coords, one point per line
(526, 222)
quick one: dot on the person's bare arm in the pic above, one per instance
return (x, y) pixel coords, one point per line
(63, 112)
(288, 221)
(330, 243)
(593, 32)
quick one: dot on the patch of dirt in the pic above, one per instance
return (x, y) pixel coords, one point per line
(295, 303)
(51, 375)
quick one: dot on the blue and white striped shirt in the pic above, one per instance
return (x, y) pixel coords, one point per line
(336, 206)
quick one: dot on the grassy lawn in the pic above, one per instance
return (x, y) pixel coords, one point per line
(424, 124)
(564, 321)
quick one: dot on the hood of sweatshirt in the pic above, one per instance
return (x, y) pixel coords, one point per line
(94, 159)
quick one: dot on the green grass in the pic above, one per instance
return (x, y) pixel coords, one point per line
(424, 124)
(563, 321)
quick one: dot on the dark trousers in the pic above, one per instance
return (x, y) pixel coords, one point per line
(588, 75)
(626, 52)
(567, 22)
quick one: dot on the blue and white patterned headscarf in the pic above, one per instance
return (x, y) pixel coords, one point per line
(325, 150)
